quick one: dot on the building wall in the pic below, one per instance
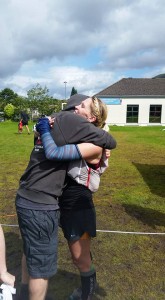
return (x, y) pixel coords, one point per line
(117, 113)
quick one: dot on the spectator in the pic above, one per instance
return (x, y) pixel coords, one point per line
(25, 119)
(20, 126)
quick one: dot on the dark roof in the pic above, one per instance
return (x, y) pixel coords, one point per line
(138, 87)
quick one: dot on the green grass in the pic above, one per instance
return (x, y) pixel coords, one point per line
(131, 198)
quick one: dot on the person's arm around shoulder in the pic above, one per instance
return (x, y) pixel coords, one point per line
(76, 129)
(67, 152)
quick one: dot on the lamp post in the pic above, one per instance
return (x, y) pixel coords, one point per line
(65, 88)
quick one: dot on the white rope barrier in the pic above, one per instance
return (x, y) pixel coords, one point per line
(109, 231)
(8, 225)
(131, 232)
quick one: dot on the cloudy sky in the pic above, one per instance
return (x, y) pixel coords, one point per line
(90, 44)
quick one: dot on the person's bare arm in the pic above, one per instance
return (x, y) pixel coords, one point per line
(90, 152)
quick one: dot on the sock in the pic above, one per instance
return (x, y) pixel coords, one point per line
(24, 292)
(88, 281)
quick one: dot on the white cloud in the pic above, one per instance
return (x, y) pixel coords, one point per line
(49, 41)
(85, 81)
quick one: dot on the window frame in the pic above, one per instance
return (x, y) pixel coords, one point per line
(135, 113)
(152, 114)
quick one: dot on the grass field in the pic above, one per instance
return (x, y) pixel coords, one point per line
(131, 198)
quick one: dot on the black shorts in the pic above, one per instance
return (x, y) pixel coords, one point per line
(24, 122)
(39, 230)
(75, 223)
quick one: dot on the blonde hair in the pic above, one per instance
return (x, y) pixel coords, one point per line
(99, 110)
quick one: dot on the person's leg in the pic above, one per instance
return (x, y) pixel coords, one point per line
(80, 251)
(81, 256)
(24, 290)
(27, 129)
(39, 230)
(37, 288)
(25, 275)
(34, 288)
(5, 277)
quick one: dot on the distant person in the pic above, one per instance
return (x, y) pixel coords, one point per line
(25, 119)
(20, 126)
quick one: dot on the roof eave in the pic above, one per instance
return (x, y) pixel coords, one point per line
(130, 96)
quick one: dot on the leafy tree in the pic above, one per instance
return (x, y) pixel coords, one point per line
(38, 93)
(7, 96)
(21, 104)
(38, 99)
(56, 105)
(9, 110)
(73, 91)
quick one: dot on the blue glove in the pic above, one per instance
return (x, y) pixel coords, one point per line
(43, 126)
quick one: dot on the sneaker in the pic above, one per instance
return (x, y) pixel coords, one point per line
(76, 295)
(49, 298)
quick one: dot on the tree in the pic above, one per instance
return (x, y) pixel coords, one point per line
(38, 99)
(21, 104)
(38, 93)
(7, 96)
(73, 91)
(38, 102)
(9, 110)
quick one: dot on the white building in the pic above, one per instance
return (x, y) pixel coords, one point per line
(135, 101)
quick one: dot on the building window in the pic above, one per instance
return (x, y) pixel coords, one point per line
(132, 113)
(155, 114)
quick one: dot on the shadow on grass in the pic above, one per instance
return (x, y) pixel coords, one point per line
(70, 281)
(63, 281)
(146, 215)
(154, 176)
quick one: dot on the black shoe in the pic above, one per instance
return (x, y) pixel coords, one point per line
(49, 298)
